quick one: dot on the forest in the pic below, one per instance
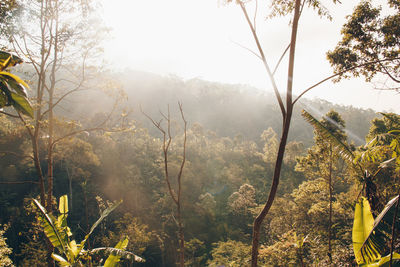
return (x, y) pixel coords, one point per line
(107, 167)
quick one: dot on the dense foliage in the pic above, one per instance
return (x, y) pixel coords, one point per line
(96, 153)
(224, 183)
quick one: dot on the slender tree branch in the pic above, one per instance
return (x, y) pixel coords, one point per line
(280, 59)
(9, 114)
(20, 182)
(264, 60)
(248, 49)
(255, 16)
(166, 145)
(342, 72)
(184, 150)
(27, 126)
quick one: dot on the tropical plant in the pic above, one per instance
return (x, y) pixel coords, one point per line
(72, 254)
(13, 88)
(371, 237)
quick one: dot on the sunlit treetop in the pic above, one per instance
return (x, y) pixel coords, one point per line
(369, 35)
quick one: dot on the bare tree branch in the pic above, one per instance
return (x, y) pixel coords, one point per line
(264, 60)
(9, 114)
(342, 72)
(248, 49)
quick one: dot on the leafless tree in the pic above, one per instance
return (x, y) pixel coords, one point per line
(176, 196)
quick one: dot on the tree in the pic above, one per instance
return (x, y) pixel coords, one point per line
(279, 8)
(175, 196)
(58, 38)
(323, 161)
(370, 35)
(9, 10)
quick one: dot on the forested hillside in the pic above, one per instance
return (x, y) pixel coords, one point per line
(226, 109)
(103, 167)
(229, 166)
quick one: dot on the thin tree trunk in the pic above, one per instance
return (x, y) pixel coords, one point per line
(282, 145)
(50, 148)
(36, 161)
(167, 138)
(181, 238)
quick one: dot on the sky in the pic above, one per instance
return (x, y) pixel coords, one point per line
(205, 39)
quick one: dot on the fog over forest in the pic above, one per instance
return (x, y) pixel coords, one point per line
(102, 165)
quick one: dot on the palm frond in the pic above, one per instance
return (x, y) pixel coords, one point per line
(343, 149)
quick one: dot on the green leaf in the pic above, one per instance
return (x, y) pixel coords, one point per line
(50, 229)
(362, 226)
(12, 59)
(3, 100)
(384, 262)
(15, 77)
(119, 252)
(381, 233)
(13, 84)
(113, 259)
(22, 104)
(60, 260)
(63, 204)
(103, 215)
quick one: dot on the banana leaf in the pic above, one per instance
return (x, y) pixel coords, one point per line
(381, 233)
(119, 252)
(56, 237)
(362, 226)
(103, 215)
(384, 262)
(114, 258)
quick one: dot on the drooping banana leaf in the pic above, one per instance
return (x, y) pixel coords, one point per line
(343, 150)
(378, 238)
(60, 260)
(362, 226)
(114, 258)
(119, 252)
(384, 262)
(50, 229)
(103, 215)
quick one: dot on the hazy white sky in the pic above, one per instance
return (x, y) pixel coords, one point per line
(198, 38)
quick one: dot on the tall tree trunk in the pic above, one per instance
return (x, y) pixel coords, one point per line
(50, 161)
(282, 145)
(181, 237)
